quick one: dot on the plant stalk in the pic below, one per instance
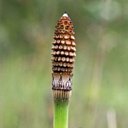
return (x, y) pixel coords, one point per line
(63, 57)
(60, 114)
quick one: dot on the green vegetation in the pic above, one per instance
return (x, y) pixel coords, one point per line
(100, 78)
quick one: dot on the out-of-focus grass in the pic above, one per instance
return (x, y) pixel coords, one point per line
(100, 78)
(24, 93)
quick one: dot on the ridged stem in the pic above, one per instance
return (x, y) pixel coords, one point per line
(60, 114)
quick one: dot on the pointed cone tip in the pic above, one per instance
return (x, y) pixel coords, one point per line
(65, 14)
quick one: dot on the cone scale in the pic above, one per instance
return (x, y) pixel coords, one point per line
(63, 57)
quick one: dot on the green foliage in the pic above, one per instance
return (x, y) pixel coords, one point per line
(101, 71)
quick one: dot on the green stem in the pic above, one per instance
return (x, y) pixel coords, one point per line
(60, 114)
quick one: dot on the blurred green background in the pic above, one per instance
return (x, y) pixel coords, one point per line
(100, 91)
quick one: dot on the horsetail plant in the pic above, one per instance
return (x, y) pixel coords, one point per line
(63, 54)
